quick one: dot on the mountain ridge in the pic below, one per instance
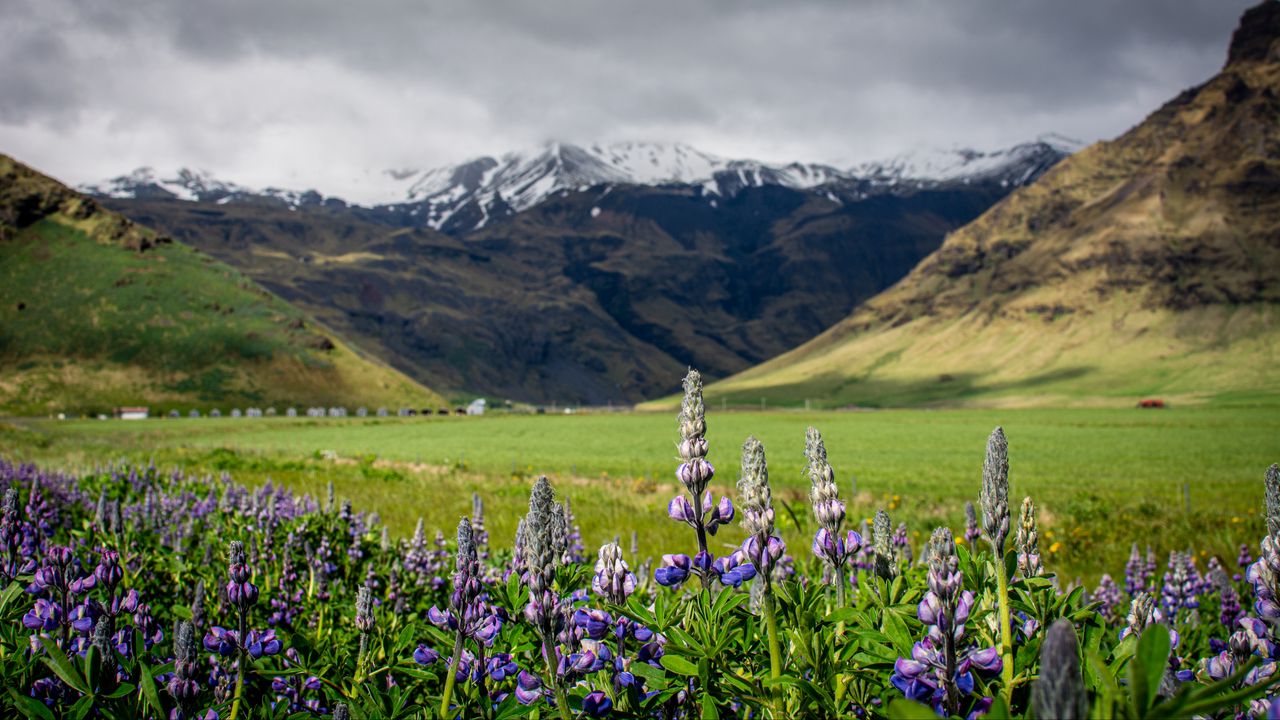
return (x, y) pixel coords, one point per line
(469, 195)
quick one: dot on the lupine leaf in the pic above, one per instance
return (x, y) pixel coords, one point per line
(679, 665)
(62, 667)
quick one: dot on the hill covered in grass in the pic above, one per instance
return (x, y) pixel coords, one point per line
(1146, 265)
(97, 311)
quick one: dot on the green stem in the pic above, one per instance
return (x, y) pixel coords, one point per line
(451, 677)
(1006, 637)
(562, 700)
(775, 650)
(840, 598)
(241, 669)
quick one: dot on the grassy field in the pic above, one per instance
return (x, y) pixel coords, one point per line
(1102, 478)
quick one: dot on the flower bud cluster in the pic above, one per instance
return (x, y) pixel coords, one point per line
(1027, 541)
(995, 491)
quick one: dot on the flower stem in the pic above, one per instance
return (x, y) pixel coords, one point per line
(1006, 633)
(562, 700)
(451, 678)
(242, 666)
(775, 651)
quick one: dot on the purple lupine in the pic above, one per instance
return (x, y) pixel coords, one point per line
(1143, 613)
(1136, 577)
(573, 546)
(1027, 541)
(542, 534)
(972, 532)
(1178, 589)
(1107, 595)
(1229, 610)
(700, 510)
(939, 671)
(833, 548)
(184, 686)
(903, 557)
(467, 614)
(1243, 560)
(613, 580)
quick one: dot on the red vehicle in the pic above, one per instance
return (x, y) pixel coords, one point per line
(1151, 403)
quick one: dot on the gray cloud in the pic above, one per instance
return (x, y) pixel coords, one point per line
(318, 93)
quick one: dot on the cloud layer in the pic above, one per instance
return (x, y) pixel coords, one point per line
(302, 93)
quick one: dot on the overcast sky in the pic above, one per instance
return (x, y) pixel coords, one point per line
(310, 93)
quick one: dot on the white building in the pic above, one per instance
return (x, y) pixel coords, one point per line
(132, 413)
(476, 407)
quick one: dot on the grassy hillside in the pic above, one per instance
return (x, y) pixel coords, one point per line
(1147, 265)
(97, 312)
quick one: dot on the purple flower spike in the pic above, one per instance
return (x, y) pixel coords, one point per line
(595, 623)
(597, 704)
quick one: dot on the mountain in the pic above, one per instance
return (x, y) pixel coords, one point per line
(97, 311)
(599, 291)
(465, 197)
(1147, 265)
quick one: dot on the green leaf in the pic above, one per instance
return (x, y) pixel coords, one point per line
(655, 677)
(679, 665)
(709, 711)
(148, 686)
(895, 629)
(30, 706)
(1148, 667)
(124, 690)
(904, 709)
(62, 667)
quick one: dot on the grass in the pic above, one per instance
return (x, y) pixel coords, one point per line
(1102, 478)
(87, 325)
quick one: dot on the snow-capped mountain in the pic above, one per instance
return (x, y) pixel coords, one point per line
(519, 180)
(470, 195)
(146, 183)
(1013, 166)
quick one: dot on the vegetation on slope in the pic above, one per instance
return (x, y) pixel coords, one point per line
(97, 312)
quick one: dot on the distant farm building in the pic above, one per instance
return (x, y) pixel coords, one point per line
(476, 407)
(131, 413)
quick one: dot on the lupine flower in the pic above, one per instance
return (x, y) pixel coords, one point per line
(573, 546)
(529, 688)
(882, 547)
(824, 496)
(424, 655)
(467, 613)
(1229, 610)
(1179, 588)
(762, 547)
(1108, 596)
(613, 580)
(184, 685)
(1027, 541)
(995, 491)
(939, 669)
(694, 472)
(597, 704)
(240, 592)
(1136, 577)
(364, 610)
(1143, 612)
(971, 530)
(1059, 691)
(902, 556)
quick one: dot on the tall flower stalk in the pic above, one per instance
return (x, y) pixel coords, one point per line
(828, 544)
(1027, 541)
(541, 537)
(467, 615)
(995, 523)
(763, 547)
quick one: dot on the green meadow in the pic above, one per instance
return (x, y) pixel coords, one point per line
(1101, 478)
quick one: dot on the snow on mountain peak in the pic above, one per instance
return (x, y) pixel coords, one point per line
(469, 194)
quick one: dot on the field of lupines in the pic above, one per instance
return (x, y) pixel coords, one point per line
(136, 593)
